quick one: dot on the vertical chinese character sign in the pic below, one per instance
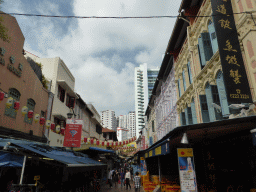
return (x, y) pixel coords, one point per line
(234, 74)
(187, 170)
(73, 134)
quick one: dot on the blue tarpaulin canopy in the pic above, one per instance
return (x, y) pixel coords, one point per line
(101, 150)
(10, 160)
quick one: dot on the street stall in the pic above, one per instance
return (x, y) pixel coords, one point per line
(215, 156)
(51, 168)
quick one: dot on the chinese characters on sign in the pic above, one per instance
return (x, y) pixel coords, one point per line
(234, 73)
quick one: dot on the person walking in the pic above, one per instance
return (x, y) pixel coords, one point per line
(110, 178)
(137, 182)
(127, 179)
(122, 174)
(115, 177)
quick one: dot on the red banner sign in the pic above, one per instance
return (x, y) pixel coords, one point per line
(73, 135)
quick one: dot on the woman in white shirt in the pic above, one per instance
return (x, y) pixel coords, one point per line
(127, 178)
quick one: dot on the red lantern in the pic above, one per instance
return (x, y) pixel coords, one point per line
(1, 96)
(42, 121)
(107, 144)
(85, 139)
(52, 126)
(102, 143)
(126, 141)
(116, 143)
(30, 114)
(112, 144)
(16, 105)
(97, 142)
(92, 141)
(62, 132)
(123, 142)
(120, 143)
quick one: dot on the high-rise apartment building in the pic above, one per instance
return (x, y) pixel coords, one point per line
(108, 119)
(131, 124)
(144, 83)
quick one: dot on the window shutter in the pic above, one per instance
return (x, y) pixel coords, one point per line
(179, 87)
(184, 81)
(189, 73)
(222, 95)
(205, 48)
(193, 109)
(190, 119)
(183, 118)
(216, 100)
(213, 37)
(209, 98)
(204, 109)
(186, 116)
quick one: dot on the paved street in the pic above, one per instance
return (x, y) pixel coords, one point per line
(106, 188)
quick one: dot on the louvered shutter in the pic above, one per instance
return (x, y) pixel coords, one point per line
(193, 109)
(213, 37)
(186, 116)
(184, 81)
(190, 119)
(205, 48)
(189, 73)
(209, 98)
(179, 87)
(222, 95)
(216, 100)
(204, 108)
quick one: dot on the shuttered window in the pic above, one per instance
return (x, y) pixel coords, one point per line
(179, 88)
(205, 48)
(189, 73)
(222, 95)
(213, 37)
(31, 106)
(193, 110)
(208, 93)
(182, 118)
(190, 118)
(184, 81)
(204, 108)
(216, 100)
(15, 94)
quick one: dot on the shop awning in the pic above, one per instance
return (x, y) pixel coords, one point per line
(10, 160)
(101, 150)
(161, 148)
(62, 155)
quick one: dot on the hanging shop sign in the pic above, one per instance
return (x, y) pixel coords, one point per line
(187, 170)
(234, 74)
(72, 136)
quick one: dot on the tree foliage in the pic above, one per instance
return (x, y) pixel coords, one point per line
(3, 29)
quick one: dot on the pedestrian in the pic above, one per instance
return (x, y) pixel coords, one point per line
(131, 171)
(137, 182)
(122, 174)
(115, 177)
(110, 178)
(127, 179)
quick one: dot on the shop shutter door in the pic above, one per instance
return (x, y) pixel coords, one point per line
(193, 109)
(222, 95)
(204, 109)
(209, 98)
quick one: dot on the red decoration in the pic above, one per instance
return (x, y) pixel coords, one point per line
(17, 105)
(120, 143)
(62, 131)
(107, 144)
(85, 140)
(116, 143)
(30, 114)
(123, 142)
(126, 141)
(1, 96)
(112, 144)
(92, 141)
(42, 121)
(97, 142)
(102, 143)
(52, 126)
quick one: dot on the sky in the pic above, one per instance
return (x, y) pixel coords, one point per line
(101, 53)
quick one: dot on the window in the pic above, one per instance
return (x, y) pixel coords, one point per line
(212, 32)
(10, 111)
(153, 126)
(179, 88)
(193, 110)
(204, 48)
(31, 106)
(190, 119)
(182, 118)
(216, 100)
(70, 101)
(60, 122)
(61, 93)
(189, 73)
(204, 108)
(184, 81)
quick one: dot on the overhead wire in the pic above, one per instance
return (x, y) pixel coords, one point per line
(98, 17)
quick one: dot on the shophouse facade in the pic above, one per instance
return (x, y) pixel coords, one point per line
(62, 84)
(21, 87)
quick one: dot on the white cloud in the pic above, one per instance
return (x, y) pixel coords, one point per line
(105, 80)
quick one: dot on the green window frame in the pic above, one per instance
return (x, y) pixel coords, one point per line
(31, 106)
(15, 94)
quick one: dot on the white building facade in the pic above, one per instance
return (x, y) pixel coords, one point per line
(108, 119)
(62, 85)
(131, 124)
(122, 134)
(144, 83)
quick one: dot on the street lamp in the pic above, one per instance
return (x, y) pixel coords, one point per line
(71, 113)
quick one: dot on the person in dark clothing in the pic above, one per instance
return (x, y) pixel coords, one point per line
(127, 179)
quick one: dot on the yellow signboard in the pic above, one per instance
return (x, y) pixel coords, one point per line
(150, 153)
(142, 158)
(37, 177)
(146, 155)
(185, 152)
(158, 150)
